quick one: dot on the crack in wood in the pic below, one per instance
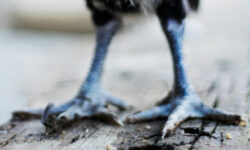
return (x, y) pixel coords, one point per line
(213, 131)
(188, 136)
(221, 139)
(195, 130)
(76, 138)
(4, 143)
(195, 140)
(152, 147)
(201, 131)
(154, 140)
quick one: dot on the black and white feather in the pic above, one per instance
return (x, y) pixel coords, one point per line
(140, 5)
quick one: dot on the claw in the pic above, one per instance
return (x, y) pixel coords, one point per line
(176, 118)
(181, 108)
(105, 115)
(46, 112)
(221, 116)
(76, 110)
(91, 104)
(27, 114)
(55, 117)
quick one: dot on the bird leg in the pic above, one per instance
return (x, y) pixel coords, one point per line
(91, 100)
(182, 103)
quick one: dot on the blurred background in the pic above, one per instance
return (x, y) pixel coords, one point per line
(46, 48)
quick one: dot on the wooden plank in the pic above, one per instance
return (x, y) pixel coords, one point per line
(217, 66)
(234, 97)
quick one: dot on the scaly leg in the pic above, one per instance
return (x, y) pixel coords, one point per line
(183, 103)
(91, 100)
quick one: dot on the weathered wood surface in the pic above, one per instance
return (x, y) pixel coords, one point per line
(141, 73)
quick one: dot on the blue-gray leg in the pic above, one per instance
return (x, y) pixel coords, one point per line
(182, 103)
(91, 100)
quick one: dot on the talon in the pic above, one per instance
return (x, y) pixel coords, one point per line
(105, 115)
(95, 106)
(164, 134)
(180, 109)
(45, 115)
(222, 116)
(27, 114)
